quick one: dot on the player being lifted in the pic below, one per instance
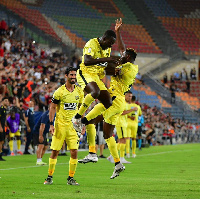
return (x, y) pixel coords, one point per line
(96, 56)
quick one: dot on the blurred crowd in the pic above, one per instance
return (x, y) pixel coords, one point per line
(28, 71)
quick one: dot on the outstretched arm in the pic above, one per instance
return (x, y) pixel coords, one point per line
(120, 43)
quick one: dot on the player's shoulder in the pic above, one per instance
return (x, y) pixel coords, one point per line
(92, 42)
(60, 89)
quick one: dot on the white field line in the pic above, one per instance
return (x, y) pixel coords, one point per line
(150, 154)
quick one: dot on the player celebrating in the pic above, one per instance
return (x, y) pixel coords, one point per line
(64, 103)
(96, 56)
(120, 84)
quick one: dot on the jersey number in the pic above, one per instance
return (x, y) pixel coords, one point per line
(70, 106)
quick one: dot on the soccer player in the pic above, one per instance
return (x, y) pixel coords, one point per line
(133, 126)
(96, 56)
(120, 84)
(65, 102)
(40, 131)
(121, 128)
(4, 106)
(13, 122)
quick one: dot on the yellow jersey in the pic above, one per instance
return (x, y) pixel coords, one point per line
(135, 114)
(93, 48)
(67, 103)
(123, 82)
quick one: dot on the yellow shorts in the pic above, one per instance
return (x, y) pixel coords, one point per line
(132, 129)
(83, 78)
(12, 135)
(64, 132)
(121, 132)
(112, 114)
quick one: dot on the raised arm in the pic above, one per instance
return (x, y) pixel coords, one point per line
(120, 43)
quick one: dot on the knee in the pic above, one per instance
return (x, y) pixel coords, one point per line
(74, 153)
(95, 93)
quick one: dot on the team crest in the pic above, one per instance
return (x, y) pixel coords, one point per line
(77, 97)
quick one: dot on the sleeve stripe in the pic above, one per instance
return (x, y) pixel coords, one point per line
(55, 101)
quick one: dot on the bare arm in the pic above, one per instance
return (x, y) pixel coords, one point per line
(120, 43)
(42, 127)
(89, 60)
(52, 112)
(129, 111)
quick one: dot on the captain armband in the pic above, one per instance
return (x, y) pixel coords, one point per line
(55, 101)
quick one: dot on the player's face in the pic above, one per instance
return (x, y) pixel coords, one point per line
(107, 42)
(6, 102)
(71, 77)
(128, 97)
(12, 115)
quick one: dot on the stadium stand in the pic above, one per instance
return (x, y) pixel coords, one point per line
(181, 20)
(96, 14)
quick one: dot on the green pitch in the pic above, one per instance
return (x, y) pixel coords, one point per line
(156, 172)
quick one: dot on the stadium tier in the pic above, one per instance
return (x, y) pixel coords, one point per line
(181, 18)
(85, 19)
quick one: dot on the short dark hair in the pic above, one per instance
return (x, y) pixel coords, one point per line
(5, 98)
(131, 52)
(109, 33)
(129, 92)
(133, 98)
(69, 69)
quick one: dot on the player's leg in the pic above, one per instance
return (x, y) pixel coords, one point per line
(133, 136)
(2, 138)
(122, 133)
(11, 141)
(91, 134)
(128, 141)
(56, 145)
(93, 92)
(18, 137)
(95, 89)
(72, 143)
(112, 146)
(139, 132)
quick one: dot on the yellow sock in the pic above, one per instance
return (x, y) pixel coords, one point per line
(122, 150)
(91, 134)
(97, 110)
(86, 103)
(127, 145)
(52, 165)
(11, 145)
(18, 144)
(133, 146)
(112, 146)
(72, 166)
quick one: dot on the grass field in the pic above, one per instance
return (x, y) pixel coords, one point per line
(156, 172)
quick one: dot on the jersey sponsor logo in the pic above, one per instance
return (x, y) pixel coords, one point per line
(70, 106)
